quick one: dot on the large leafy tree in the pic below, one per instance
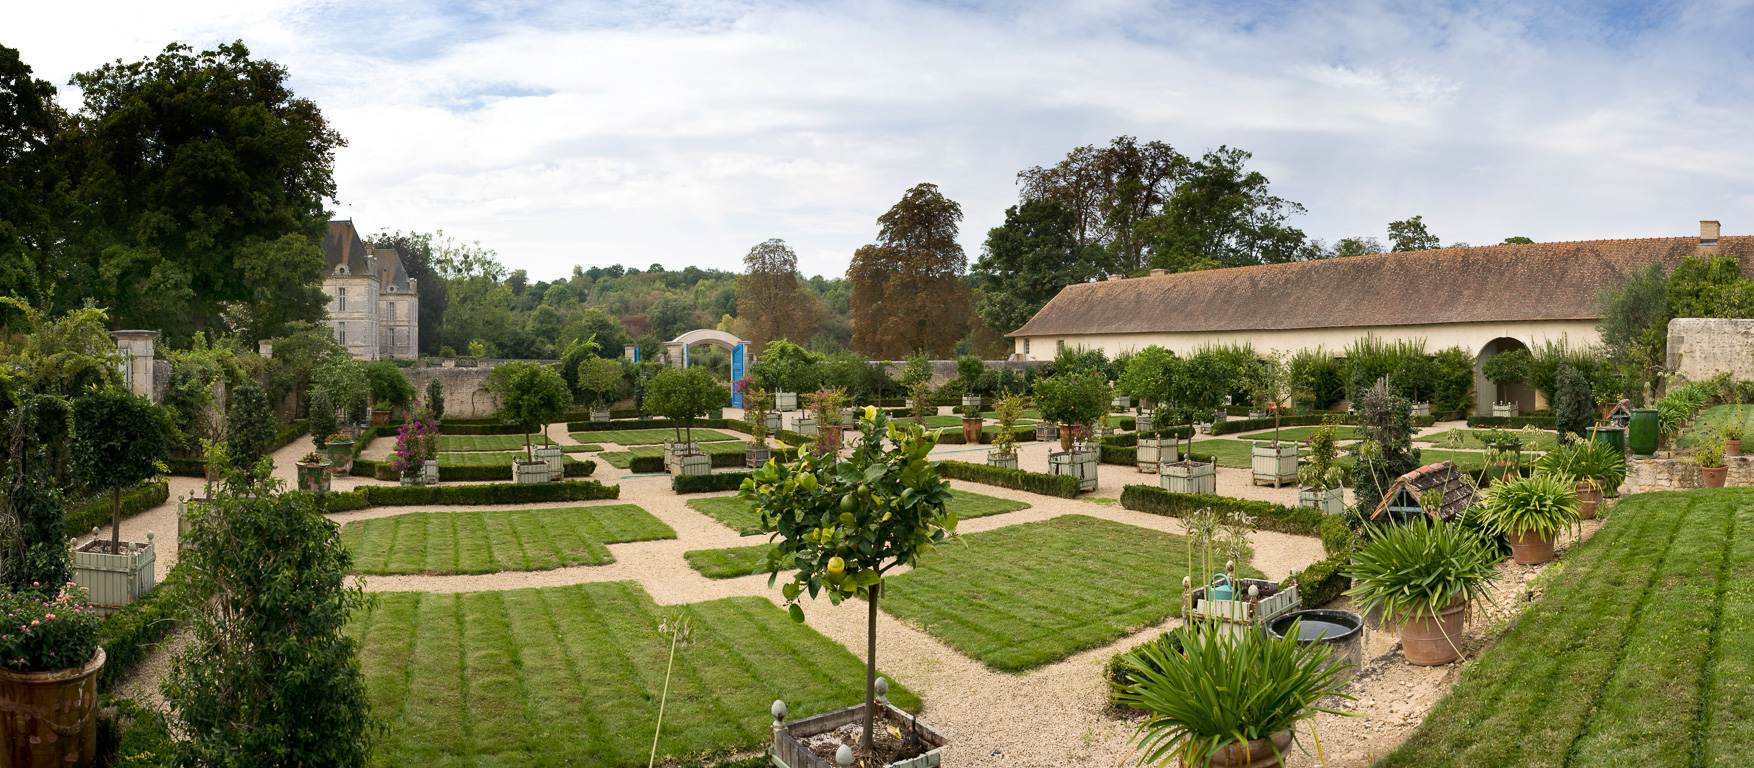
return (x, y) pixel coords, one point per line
(201, 180)
(1412, 235)
(907, 288)
(1109, 190)
(33, 200)
(1028, 260)
(1223, 215)
(685, 394)
(768, 299)
(531, 396)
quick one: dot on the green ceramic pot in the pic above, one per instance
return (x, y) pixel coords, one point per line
(1641, 434)
(1612, 436)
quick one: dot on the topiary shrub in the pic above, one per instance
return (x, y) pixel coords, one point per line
(119, 438)
(1573, 403)
(249, 429)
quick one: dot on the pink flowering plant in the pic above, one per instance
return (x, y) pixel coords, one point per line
(39, 634)
(416, 442)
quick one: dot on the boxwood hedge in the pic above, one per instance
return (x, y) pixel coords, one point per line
(1063, 486)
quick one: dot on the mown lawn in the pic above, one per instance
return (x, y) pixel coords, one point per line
(1710, 423)
(647, 436)
(486, 442)
(1302, 433)
(738, 515)
(571, 676)
(1228, 453)
(1641, 653)
(1026, 595)
(624, 459)
(726, 563)
(488, 542)
(1471, 439)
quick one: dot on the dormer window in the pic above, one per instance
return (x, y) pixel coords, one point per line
(392, 289)
(340, 269)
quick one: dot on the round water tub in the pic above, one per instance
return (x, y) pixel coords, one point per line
(1341, 631)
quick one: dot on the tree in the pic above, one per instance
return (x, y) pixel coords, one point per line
(1028, 260)
(1573, 404)
(1072, 398)
(1519, 240)
(343, 379)
(597, 325)
(907, 288)
(33, 201)
(1223, 215)
(530, 396)
(388, 385)
(1712, 286)
(1411, 235)
(435, 398)
(33, 523)
(270, 677)
(599, 378)
(1634, 325)
(250, 427)
(787, 367)
(671, 316)
(118, 442)
(1356, 246)
(1507, 368)
(298, 354)
(1149, 375)
(885, 506)
(576, 355)
(202, 186)
(767, 293)
(685, 394)
(322, 421)
(1108, 191)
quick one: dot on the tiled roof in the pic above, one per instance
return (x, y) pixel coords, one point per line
(1458, 493)
(342, 245)
(1497, 283)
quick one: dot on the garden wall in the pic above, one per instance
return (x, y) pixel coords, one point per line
(943, 371)
(1644, 475)
(1700, 348)
(466, 394)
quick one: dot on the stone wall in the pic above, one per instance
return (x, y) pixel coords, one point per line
(1644, 475)
(1700, 348)
(466, 394)
(944, 371)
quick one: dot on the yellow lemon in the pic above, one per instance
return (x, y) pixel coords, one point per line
(836, 565)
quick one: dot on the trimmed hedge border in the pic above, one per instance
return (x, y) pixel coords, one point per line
(646, 465)
(735, 425)
(1062, 486)
(1129, 456)
(1512, 422)
(381, 470)
(1323, 582)
(1251, 425)
(135, 500)
(953, 436)
(129, 635)
(1131, 439)
(186, 467)
(1300, 521)
(496, 493)
(293, 432)
(717, 481)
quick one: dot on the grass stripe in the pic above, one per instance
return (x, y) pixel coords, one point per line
(486, 542)
(1727, 723)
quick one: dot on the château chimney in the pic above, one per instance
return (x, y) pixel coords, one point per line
(1708, 233)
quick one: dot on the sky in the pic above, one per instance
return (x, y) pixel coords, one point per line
(679, 133)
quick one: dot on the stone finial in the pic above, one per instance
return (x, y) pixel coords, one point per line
(779, 712)
(844, 755)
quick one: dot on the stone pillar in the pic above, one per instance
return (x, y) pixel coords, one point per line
(137, 357)
(265, 348)
(630, 351)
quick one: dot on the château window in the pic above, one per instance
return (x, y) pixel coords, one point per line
(341, 334)
(341, 299)
(392, 310)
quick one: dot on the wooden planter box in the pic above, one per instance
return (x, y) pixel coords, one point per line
(1123, 402)
(1155, 451)
(848, 419)
(804, 425)
(773, 422)
(600, 416)
(1257, 414)
(1243, 613)
(530, 472)
(1331, 501)
(974, 400)
(790, 752)
(673, 450)
(1006, 460)
(429, 472)
(340, 456)
(1046, 432)
(314, 477)
(115, 581)
(1143, 422)
(1422, 409)
(1076, 463)
(555, 458)
(1219, 416)
(755, 457)
(1509, 410)
(1188, 477)
(414, 476)
(692, 464)
(1276, 465)
(785, 401)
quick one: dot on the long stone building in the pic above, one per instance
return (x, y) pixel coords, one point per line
(1487, 300)
(374, 309)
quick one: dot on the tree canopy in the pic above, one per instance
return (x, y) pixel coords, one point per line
(1028, 260)
(908, 292)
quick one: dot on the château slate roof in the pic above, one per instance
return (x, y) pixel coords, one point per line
(342, 246)
(1496, 283)
(391, 276)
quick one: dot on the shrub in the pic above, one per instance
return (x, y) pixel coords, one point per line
(646, 465)
(717, 481)
(1324, 581)
(1338, 538)
(132, 736)
(388, 385)
(35, 552)
(249, 431)
(1417, 569)
(435, 398)
(119, 438)
(130, 635)
(451, 428)
(1063, 486)
(292, 432)
(497, 493)
(1573, 405)
(52, 634)
(1250, 425)
(1301, 521)
(1512, 422)
(1543, 505)
(321, 418)
(1120, 671)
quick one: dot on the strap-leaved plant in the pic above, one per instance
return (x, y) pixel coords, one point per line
(842, 524)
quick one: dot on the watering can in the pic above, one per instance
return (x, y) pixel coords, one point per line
(1221, 588)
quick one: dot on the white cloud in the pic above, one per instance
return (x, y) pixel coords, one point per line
(684, 133)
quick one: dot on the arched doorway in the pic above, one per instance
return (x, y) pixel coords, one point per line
(1486, 393)
(676, 353)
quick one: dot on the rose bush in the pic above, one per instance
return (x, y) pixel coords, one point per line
(47, 635)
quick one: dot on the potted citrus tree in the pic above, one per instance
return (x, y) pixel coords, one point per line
(531, 396)
(1423, 576)
(1147, 376)
(48, 678)
(1506, 369)
(758, 402)
(1006, 410)
(118, 441)
(886, 506)
(1321, 476)
(683, 395)
(599, 379)
(1270, 387)
(971, 423)
(1530, 512)
(1222, 699)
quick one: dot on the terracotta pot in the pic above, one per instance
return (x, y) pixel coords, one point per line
(971, 431)
(1732, 447)
(1715, 476)
(1588, 497)
(1260, 753)
(1428, 641)
(50, 716)
(1530, 548)
(1065, 438)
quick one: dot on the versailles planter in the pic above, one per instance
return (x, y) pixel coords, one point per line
(1257, 414)
(50, 717)
(1641, 433)
(1143, 422)
(974, 400)
(785, 401)
(1189, 477)
(1123, 402)
(804, 425)
(1330, 502)
(971, 431)
(1079, 464)
(530, 472)
(1714, 476)
(756, 456)
(1219, 416)
(1429, 641)
(1422, 409)
(115, 580)
(848, 419)
(789, 750)
(1530, 548)
(692, 464)
(673, 450)
(429, 471)
(1506, 410)
(184, 523)
(415, 476)
(773, 422)
(597, 415)
(1275, 464)
(1045, 432)
(1006, 460)
(554, 458)
(314, 476)
(1154, 451)
(340, 456)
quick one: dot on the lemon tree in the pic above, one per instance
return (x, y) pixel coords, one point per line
(842, 524)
